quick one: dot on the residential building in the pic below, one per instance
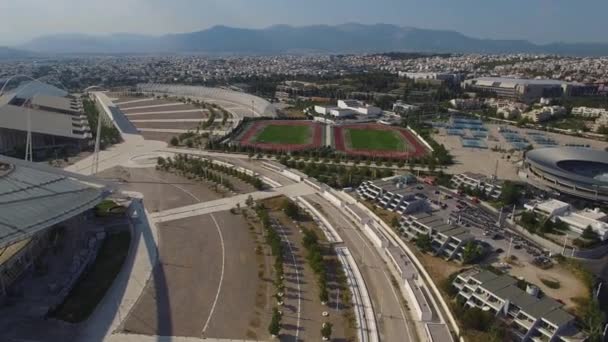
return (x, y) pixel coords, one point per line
(545, 113)
(359, 107)
(447, 240)
(395, 194)
(529, 317)
(493, 188)
(588, 112)
(577, 220)
(404, 108)
(465, 103)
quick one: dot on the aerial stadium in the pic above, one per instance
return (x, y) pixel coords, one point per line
(35, 201)
(577, 172)
(56, 119)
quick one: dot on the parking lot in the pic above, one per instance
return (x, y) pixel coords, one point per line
(205, 284)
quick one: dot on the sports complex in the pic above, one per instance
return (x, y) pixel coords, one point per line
(578, 172)
(368, 139)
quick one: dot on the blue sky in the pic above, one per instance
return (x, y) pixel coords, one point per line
(540, 21)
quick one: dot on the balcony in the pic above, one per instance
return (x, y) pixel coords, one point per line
(524, 322)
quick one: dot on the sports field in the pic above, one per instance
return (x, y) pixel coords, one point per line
(284, 134)
(379, 140)
(376, 140)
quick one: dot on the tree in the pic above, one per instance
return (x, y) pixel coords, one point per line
(471, 252)
(594, 321)
(423, 242)
(395, 222)
(326, 330)
(275, 323)
(510, 193)
(249, 202)
(291, 209)
(174, 141)
(590, 234)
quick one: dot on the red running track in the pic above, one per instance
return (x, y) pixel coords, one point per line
(418, 148)
(258, 126)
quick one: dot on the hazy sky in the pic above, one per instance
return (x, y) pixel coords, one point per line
(535, 20)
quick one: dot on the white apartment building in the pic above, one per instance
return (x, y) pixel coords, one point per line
(588, 112)
(578, 221)
(465, 103)
(447, 240)
(530, 318)
(334, 111)
(395, 194)
(545, 113)
(478, 181)
(402, 107)
(509, 112)
(359, 107)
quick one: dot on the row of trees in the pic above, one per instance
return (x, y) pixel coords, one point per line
(109, 135)
(314, 256)
(439, 157)
(204, 167)
(273, 240)
(339, 176)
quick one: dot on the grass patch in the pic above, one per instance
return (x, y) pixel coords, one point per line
(108, 208)
(284, 134)
(370, 139)
(552, 284)
(93, 284)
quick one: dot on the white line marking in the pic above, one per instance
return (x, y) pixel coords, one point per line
(219, 231)
(295, 266)
(219, 287)
(367, 245)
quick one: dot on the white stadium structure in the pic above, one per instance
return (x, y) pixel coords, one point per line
(577, 172)
(238, 103)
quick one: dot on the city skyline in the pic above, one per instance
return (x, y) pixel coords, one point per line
(541, 22)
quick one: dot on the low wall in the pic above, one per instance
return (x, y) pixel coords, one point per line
(421, 139)
(330, 231)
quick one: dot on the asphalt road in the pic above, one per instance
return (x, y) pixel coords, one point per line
(393, 319)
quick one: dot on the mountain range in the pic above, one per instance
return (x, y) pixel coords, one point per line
(284, 39)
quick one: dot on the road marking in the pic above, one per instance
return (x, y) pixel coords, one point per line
(219, 287)
(353, 227)
(219, 231)
(295, 266)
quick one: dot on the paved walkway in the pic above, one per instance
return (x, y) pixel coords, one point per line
(147, 338)
(176, 120)
(134, 101)
(156, 105)
(223, 204)
(130, 282)
(167, 112)
(177, 130)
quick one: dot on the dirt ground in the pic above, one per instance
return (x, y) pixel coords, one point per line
(570, 286)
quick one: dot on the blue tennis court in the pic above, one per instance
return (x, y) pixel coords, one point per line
(473, 143)
(518, 145)
(455, 131)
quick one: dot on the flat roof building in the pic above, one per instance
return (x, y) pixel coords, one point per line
(529, 317)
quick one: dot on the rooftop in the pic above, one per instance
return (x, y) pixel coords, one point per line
(35, 197)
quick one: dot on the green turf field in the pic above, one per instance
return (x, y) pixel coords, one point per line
(370, 139)
(279, 134)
